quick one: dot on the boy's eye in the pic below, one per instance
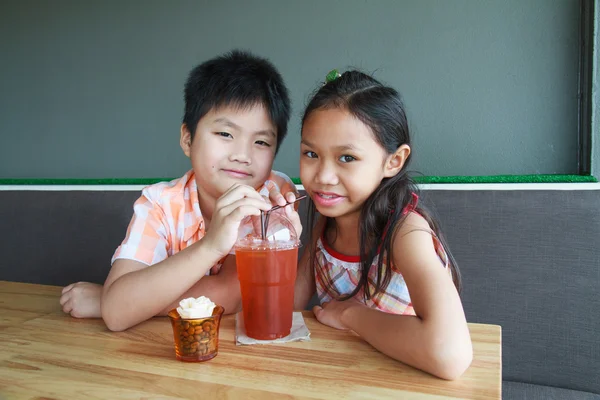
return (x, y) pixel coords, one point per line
(262, 143)
(310, 154)
(224, 134)
(347, 159)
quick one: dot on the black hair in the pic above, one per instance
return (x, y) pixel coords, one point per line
(239, 79)
(381, 109)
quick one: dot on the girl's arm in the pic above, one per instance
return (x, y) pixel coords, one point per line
(305, 282)
(437, 339)
(305, 278)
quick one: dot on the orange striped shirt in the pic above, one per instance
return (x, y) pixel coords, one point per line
(167, 218)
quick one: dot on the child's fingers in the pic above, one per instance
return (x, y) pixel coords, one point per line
(329, 317)
(68, 307)
(236, 187)
(243, 211)
(237, 192)
(65, 298)
(290, 197)
(250, 207)
(276, 197)
(294, 218)
(231, 189)
(320, 315)
(235, 213)
(67, 288)
(317, 310)
(242, 191)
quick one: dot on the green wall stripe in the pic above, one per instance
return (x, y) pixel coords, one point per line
(418, 179)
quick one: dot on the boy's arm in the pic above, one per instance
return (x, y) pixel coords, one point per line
(437, 339)
(222, 289)
(134, 292)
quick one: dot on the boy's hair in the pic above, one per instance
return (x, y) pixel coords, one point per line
(381, 109)
(237, 79)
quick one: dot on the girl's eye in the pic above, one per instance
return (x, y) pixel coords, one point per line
(310, 154)
(224, 134)
(262, 143)
(347, 159)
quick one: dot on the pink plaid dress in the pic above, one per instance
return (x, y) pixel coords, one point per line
(338, 274)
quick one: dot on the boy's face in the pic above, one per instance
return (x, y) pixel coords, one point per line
(230, 146)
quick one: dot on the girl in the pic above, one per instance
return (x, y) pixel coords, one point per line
(376, 259)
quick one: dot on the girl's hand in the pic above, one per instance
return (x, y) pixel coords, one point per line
(330, 313)
(233, 206)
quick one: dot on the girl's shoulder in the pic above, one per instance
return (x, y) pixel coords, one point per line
(415, 243)
(411, 223)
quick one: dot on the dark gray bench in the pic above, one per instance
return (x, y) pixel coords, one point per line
(530, 261)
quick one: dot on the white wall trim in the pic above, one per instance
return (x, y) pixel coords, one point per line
(441, 186)
(512, 186)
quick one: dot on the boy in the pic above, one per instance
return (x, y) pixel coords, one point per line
(236, 114)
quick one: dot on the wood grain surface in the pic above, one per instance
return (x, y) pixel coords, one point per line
(47, 354)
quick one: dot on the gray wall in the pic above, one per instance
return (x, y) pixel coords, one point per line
(94, 89)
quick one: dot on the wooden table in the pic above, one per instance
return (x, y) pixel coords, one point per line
(47, 354)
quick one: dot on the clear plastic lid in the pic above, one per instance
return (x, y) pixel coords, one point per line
(279, 232)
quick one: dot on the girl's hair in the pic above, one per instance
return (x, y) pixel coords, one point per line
(381, 109)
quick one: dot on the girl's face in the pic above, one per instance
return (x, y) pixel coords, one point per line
(341, 163)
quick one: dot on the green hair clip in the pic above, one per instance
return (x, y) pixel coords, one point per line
(332, 76)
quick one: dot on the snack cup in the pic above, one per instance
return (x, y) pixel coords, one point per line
(196, 339)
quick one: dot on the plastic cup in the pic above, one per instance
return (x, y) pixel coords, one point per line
(267, 274)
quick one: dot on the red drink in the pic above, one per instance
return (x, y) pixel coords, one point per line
(267, 276)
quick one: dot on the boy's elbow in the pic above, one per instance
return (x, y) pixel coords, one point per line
(233, 305)
(114, 326)
(112, 323)
(112, 320)
(451, 362)
(229, 296)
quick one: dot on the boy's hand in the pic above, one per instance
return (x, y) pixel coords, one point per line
(234, 205)
(281, 199)
(294, 218)
(82, 300)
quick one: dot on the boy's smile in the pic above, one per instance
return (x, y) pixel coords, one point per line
(238, 174)
(231, 145)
